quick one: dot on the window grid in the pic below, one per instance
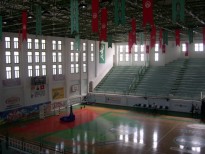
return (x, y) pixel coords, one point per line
(16, 43)
(7, 42)
(8, 57)
(91, 47)
(29, 43)
(8, 72)
(36, 44)
(16, 57)
(84, 68)
(16, 72)
(30, 71)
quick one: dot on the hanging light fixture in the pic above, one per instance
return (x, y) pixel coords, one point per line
(83, 4)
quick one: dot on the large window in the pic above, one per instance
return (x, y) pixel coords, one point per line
(84, 56)
(91, 47)
(59, 45)
(16, 57)
(8, 72)
(44, 70)
(16, 72)
(54, 70)
(29, 55)
(60, 69)
(43, 44)
(71, 46)
(72, 68)
(8, 57)
(142, 48)
(76, 57)
(7, 42)
(30, 71)
(76, 68)
(92, 57)
(54, 57)
(37, 58)
(43, 57)
(184, 47)
(54, 45)
(59, 57)
(29, 43)
(84, 46)
(72, 57)
(37, 44)
(198, 47)
(37, 70)
(156, 56)
(136, 48)
(16, 42)
(84, 68)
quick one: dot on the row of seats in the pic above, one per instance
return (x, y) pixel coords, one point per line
(152, 106)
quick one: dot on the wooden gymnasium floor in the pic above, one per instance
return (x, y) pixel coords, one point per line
(103, 130)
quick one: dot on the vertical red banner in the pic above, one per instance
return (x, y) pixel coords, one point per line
(95, 9)
(133, 23)
(148, 12)
(204, 36)
(160, 37)
(103, 35)
(147, 49)
(177, 37)
(153, 37)
(163, 48)
(130, 41)
(24, 25)
(187, 50)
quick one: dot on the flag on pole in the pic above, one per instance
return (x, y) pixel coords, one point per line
(153, 37)
(163, 48)
(178, 10)
(38, 20)
(147, 49)
(160, 37)
(130, 41)
(191, 35)
(187, 50)
(119, 12)
(148, 12)
(74, 16)
(24, 25)
(95, 9)
(109, 41)
(103, 35)
(141, 36)
(0, 28)
(133, 23)
(177, 37)
(165, 37)
(77, 42)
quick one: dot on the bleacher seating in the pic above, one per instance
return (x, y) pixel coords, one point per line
(118, 80)
(181, 79)
(158, 80)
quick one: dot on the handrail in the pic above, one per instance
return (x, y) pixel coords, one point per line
(27, 146)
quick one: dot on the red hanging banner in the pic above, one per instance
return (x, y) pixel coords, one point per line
(147, 49)
(24, 25)
(103, 36)
(177, 37)
(187, 50)
(160, 37)
(148, 12)
(204, 36)
(130, 41)
(153, 37)
(95, 9)
(133, 23)
(163, 48)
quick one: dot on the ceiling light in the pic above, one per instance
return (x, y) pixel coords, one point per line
(83, 4)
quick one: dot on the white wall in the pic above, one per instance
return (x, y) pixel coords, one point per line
(20, 95)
